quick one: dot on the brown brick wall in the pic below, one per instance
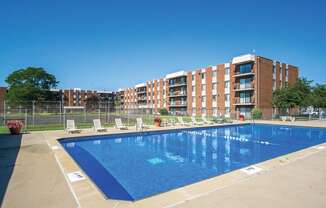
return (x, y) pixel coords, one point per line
(278, 75)
(232, 93)
(167, 90)
(283, 74)
(220, 88)
(264, 89)
(209, 91)
(3, 92)
(189, 93)
(198, 91)
(155, 95)
(161, 93)
(293, 74)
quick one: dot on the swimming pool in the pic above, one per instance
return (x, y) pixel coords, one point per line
(138, 165)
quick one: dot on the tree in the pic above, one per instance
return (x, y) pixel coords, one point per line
(298, 94)
(286, 98)
(163, 111)
(30, 84)
(256, 113)
(319, 96)
(303, 88)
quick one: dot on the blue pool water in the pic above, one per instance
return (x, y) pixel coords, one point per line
(135, 166)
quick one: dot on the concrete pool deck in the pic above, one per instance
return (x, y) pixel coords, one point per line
(34, 170)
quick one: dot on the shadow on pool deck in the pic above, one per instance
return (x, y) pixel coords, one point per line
(9, 148)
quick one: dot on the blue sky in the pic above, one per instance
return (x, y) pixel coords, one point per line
(110, 44)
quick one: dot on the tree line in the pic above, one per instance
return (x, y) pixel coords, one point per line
(35, 84)
(302, 94)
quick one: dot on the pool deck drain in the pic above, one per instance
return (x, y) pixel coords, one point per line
(75, 176)
(252, 170)
(297, 181)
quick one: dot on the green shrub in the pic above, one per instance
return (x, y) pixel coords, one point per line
(163, 111)
(256, 113)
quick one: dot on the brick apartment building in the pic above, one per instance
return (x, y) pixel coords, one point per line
(78, 98)
(72, 97)
(231, 88)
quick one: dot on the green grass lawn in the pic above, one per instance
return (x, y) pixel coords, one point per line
(148, 120)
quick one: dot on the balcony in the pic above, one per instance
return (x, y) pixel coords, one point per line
(141, 92)
(142, 106)
(142, 98)
(178, 104)
(178, 94)
(178, 84)
(244, 87)
(244, 101)
(243, 74)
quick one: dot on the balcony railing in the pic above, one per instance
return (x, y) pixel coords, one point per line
(244, 101)
(142, 98)
(242, 87)
(177, 84)
(177, 94)
(141, 92)
(246, 73)
(178, 103)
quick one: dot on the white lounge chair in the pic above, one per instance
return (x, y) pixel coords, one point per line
(172, 122)
(206, 121)
(283, 118)
(71, 128)
(195, 122)
(140, 124)
(97, 125)
(119, 124)
(182, 123)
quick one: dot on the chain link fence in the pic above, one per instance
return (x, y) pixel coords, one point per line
(53, 115)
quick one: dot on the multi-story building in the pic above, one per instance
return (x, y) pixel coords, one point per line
(119, 99)
(78, 97)
(229, 89)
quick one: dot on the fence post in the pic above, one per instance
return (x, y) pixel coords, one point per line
(4, 112)
(33, 113)
(64, 119)
(99, 113)
(60, 111)
(85, 115)
(25, 119)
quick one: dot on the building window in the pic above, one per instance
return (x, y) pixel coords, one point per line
(193, 77)
(203, 110)
(214, 73)
(214, 98)
(227, 71)
(203, 88)
(227, 98)
(202, 75)
(245, 68)
(193, 88)
(274, 71)
(203, 99)
(214, 86)
(193, 99)
(274, 84)
(227, 84)
(214, 111)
